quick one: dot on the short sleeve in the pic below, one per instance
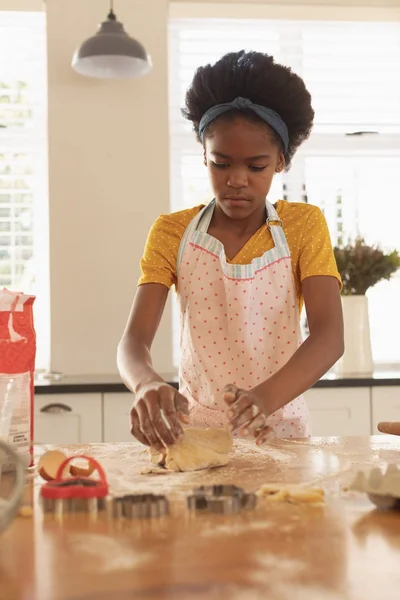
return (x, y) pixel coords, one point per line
(316, 251)
(158, 264)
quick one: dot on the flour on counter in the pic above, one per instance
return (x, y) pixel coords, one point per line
(307, 592)
(104, 554)
(248, 448)
(274, 569)
(270, 592)
(281, 565)
(237, 528)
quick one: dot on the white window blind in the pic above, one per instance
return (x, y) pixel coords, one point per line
(23, 164)
(352, 70)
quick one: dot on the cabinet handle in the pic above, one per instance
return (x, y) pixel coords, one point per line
(56, 408)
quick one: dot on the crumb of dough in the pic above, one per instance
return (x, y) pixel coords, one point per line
(293, 494)
(25, 511)
(155, 471)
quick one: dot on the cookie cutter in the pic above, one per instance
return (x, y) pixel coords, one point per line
(75, 494)
(383, 489)
(221, 499)
(218, 490)
(140, 506)
(223, 505)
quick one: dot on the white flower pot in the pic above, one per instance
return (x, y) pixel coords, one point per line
(357, 358)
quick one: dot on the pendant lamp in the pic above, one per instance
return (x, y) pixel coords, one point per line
(111, 53)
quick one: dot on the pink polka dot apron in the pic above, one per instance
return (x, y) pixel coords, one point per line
(239, 323)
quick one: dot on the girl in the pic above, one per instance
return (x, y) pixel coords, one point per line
(241, 267)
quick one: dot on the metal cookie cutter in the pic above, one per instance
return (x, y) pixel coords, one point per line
(221, 499)
(140, 506)
(224, 505)
(75, 494)
(217, 491)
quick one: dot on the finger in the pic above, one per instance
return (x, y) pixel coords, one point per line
(242, 411)
(146, 426)
(135, 428)
(255, 425)
(184, 419)
(230, 393)
(251, 420)
(182, 406)
(242, 402)
(266, 434)
(167, 403)
(392, 428)
(244, 420)
(152, 400)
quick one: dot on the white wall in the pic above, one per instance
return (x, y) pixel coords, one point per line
(109, 179)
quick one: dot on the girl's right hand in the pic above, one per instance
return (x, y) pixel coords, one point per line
(157, 415)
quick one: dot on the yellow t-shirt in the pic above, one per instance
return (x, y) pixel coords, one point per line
(304, 226)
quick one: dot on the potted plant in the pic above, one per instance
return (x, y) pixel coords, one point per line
(361, 266)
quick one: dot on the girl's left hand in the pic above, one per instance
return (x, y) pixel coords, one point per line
(392, 428)
(246, 413)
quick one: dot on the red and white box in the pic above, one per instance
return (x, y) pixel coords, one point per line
(17, 368)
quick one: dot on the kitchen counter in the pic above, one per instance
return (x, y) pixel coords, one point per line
(78, 384)
(344, 550)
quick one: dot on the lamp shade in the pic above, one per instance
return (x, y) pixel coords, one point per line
(111, 53)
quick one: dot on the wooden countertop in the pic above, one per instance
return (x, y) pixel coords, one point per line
(344, 550)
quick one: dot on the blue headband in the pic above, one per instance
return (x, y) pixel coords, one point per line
(268, 115)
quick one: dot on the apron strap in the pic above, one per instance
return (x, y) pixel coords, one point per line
(195, 224)
(274, 224)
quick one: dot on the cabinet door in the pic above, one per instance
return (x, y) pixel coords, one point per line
(116, 409)
(385, 405)
(339, 411)
(68, 419)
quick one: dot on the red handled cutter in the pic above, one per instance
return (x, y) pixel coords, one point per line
(75, 494)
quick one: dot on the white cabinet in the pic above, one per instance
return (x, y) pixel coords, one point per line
(68, 419)
(93, 418)
(116, 409)
(339, 411)
(385, 405)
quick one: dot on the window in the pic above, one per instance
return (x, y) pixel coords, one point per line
(23, 164)
(352, 70)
